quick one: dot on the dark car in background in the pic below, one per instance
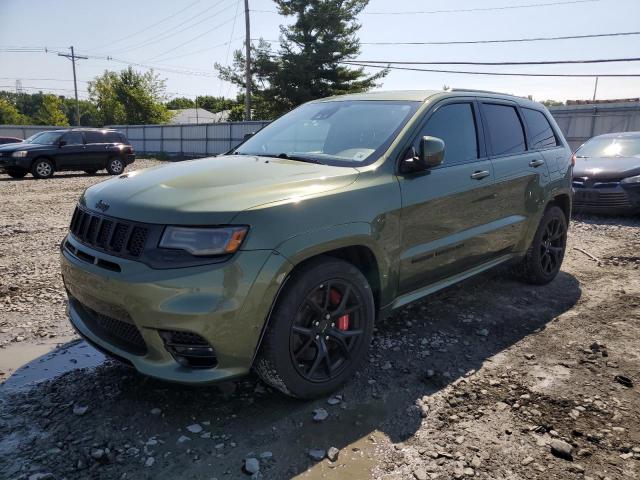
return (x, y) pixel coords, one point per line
(5, 140)
(83, 149)
(606, 176)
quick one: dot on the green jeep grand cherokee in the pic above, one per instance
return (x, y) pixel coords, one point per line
(281, 255)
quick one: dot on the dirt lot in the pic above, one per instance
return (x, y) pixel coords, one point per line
(491, 379)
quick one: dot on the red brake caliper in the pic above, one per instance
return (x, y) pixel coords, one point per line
(343, 321)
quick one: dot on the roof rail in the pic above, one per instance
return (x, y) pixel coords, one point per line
(478, 91)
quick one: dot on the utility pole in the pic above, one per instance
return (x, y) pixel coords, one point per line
(247, 63)
(73, 57)
(595, 90)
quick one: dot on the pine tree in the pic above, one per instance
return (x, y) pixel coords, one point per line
(308, 64)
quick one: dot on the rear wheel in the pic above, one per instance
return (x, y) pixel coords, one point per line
(319, 331)
(544, 258)
(17, 173)
(115, 166)
(42, 168)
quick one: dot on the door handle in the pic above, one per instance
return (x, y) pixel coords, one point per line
(479, 175)
(536, 163)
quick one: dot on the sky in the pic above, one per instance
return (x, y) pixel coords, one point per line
(183, 39)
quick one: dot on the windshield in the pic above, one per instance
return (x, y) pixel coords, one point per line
(338, 133)
(44, 138)
(610, 147)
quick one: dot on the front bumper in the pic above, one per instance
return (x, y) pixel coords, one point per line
(226, 304)
(612, 198)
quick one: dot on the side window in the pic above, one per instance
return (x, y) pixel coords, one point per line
(73, 138)
(455, 124)
(112, 137)
(505, 129)
(94, 137)
(540, 130)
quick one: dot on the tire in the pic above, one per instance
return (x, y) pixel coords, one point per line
(306, 354)
(17, 173)
(115, 166)
(90, 172)
(42, 168)
(544, 258)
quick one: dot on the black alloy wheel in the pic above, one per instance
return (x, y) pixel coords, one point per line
(326, 331)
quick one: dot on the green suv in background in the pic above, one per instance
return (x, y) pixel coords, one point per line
(280, 255)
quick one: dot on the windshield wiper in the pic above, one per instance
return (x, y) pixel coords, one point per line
(294, 157)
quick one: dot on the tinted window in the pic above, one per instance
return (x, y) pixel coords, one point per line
(113, 137)
(94, 137)
(455, 125)
(505, 129)
(73, 138)
(540, 130)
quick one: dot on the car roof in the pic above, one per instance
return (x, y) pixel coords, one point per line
(424, 95)
(619, 135)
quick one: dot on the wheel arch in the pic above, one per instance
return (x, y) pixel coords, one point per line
(563, 201)
(43, 157)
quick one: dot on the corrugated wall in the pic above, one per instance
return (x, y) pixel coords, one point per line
(577, 122)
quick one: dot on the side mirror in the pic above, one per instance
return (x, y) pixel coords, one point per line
(247, 136)
(431, 155)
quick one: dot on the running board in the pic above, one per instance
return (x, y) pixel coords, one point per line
(428, 290)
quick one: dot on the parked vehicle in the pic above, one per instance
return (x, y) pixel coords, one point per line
(84, 149)
(606, 177)
(281, 255)
(5, 140)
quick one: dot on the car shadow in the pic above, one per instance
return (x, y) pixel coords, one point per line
(55, 175)
(416, 352)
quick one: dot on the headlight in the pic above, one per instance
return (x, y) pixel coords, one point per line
(20, 153)
(204, 241)
(628, 180)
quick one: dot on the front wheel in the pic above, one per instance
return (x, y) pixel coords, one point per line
(319, 331)
(42, 168)
(544, 258)
(115, 166)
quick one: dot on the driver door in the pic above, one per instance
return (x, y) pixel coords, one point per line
(71, 154)
(447, 210)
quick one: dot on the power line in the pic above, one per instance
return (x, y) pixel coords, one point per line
(465, 10)
(201, 50)
(511, 40)
(485, 9)
(42, 79)
(173, 15)
(542, 62)
(172, 31)
(506, 74)
(193, 39)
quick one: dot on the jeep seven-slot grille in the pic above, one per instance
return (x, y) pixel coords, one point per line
(117, 237)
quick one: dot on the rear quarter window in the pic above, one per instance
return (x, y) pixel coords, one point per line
(541, 134)
(504, 128)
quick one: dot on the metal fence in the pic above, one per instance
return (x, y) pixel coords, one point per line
(581, 122)
(188, 140)
(577, 122)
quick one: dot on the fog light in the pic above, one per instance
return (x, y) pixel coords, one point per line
(189, 349)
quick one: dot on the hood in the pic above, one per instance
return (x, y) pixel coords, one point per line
(211, 191)
(12, 147)
(607, 168)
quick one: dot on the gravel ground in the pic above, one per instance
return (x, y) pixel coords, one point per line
(490, 379)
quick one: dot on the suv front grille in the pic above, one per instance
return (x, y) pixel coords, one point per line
(116, 237)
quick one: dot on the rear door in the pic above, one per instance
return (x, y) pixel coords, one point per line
(446, 209)
(520, 172)
(72, 153)
(543, 139)
(97, 148)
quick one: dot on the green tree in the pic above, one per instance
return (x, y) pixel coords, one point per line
(179, 103)
(215, 104)
(130, 97)
(89, 114)
(552, 103)
(51, 112)
(9, 114)
(309, 63)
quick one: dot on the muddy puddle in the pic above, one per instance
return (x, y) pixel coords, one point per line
(24, 364)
